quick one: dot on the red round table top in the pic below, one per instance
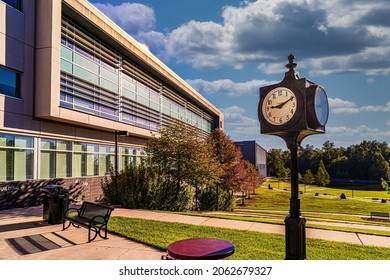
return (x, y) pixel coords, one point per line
(200, 249)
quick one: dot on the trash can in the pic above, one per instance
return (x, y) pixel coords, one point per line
(55, 203)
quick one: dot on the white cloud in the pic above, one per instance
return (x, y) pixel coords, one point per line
(235, 116)
(138, 21)
(228, 87)
(239, 126)
(339, 106)
(371, 80)
(326, 36)
(132, 17)
(361, 131)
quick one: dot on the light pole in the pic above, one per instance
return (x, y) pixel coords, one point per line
(117, 134)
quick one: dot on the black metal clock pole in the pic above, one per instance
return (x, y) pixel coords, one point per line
(293, 109)
(295, 224)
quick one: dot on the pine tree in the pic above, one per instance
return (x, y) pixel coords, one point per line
(322, 177)
(308, 177)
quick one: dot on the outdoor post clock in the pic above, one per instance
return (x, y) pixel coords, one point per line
(279, 106)
(293, 109)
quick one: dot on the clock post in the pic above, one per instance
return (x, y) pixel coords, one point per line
(293, 109)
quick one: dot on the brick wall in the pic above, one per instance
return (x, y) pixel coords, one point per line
(16, 194)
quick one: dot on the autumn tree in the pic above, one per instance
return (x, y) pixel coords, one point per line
(229, 157)
(253, 178)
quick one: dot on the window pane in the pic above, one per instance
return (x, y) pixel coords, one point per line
(23, 142)
(3, 162)
(66, 66)
(20, 165)
(7, 140)
(92, 166)
(76, 165)
(45, 165)
(78, 147)
(109, 75)
(108, 85)
(13, 3)
(9, 82)
(86, 63)
(66, 53)
(63, 145)
(62, 163)
(86, 75)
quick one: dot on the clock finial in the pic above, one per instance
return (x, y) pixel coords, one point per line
(291, 74)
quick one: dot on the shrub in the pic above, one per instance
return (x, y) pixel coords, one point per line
(139, 187)
(208, 197)
(169, 196)
(131, 189)
(342, 196)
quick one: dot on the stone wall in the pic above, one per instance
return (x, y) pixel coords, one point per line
(16, 194)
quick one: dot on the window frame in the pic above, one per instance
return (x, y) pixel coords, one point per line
(17, 82)
(17, 5)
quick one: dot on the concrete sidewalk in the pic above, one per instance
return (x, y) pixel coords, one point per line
(355, 238)
(24, 235)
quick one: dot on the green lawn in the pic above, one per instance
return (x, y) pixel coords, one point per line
(278, 199)
(248, 245)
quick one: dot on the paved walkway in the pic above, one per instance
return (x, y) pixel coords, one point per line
(23, 235)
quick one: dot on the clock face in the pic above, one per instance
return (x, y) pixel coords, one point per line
(279, 106)
(321, 106)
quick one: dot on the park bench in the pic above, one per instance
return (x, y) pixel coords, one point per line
(380, 214)
(90, 215)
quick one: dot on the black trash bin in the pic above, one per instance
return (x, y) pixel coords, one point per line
(55, 203)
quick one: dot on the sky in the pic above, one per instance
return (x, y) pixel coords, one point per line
(228, 49)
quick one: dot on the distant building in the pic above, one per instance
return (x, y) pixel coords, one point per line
(255, 154)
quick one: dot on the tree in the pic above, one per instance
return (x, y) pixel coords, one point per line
(228, 155)
(182, 156)
(322, 177)
(253, 178)
(385, 185)
(308, 178)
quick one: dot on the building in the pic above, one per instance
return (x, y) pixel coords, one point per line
(255, 154)
(70, 78)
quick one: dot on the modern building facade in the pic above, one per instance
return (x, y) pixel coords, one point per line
(255, 154)
(69, 79)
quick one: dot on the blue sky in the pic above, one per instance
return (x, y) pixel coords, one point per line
(227, 49)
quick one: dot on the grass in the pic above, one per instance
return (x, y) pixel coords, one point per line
(248, 245)
(243, 217)
(278, 199)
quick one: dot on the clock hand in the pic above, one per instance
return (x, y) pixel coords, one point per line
(279, 106)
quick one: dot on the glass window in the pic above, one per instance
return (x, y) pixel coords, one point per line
(66, 53)
(86, 63)
(55, 161)
(9, 82)
(16, 157)
(106, 159)
(66, 66)
(14, 3)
